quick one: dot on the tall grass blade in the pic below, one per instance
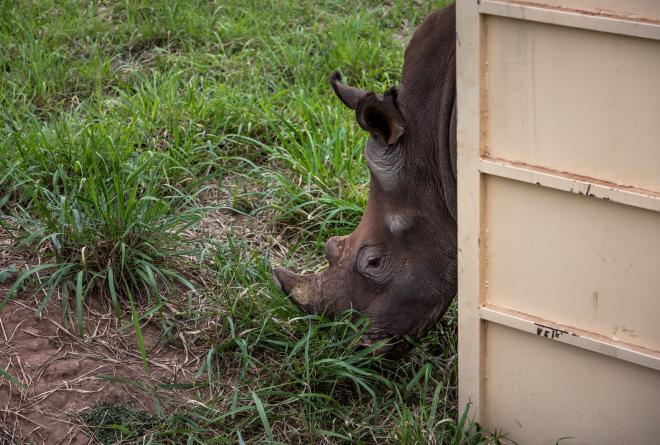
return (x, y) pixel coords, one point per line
(5, 374)
(135, 318)
(262, 416)
(79, 303)
(113, 292)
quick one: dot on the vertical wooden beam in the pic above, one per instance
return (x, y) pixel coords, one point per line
(470, 329)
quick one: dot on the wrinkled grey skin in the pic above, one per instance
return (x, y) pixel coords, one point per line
(399, 265)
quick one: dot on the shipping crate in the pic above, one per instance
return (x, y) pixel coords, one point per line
(559, 218)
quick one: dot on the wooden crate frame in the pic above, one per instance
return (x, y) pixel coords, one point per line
(481, 172)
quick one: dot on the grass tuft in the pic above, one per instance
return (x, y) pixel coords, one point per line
(103, 221)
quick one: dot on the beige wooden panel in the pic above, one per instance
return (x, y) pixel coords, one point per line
(574, 260)
(559, 99)
(572, 100)
(643, 9)
(539, 390)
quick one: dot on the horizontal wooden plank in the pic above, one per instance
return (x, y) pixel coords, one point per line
(538, 390)
(581, 185)
(610, 23)
(633, 9)
(571, 336)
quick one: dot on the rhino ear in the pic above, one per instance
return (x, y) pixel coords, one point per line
(380, 116)
(351, 96)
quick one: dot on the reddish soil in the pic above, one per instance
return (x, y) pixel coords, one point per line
(62, 372)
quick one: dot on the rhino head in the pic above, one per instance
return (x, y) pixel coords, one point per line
(399, 265)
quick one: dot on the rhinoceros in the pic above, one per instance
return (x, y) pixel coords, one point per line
(399, 266)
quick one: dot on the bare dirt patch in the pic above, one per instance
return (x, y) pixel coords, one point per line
(64, 374)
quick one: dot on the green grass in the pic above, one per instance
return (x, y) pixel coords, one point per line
(124, 123)
(111, 423)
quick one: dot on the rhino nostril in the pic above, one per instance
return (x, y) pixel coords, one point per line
(332, 249)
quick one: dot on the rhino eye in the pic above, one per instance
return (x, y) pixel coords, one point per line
(373, 264)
